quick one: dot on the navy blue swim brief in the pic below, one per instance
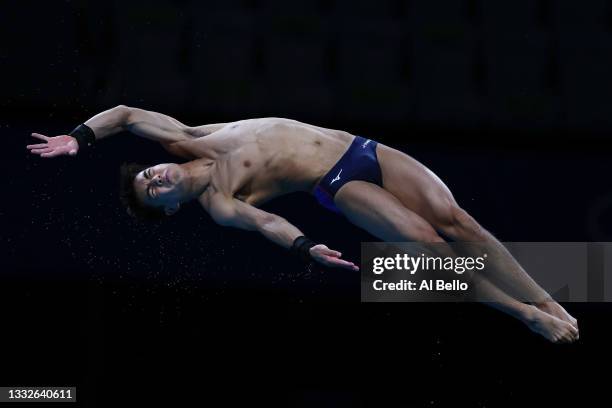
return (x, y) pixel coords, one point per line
(359, 162)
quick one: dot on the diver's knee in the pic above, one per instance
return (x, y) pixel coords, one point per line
(425, 233)
(457, 223)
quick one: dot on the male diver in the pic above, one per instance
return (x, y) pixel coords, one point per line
(235, 167)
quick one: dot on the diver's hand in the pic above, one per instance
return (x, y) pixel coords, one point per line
(54, 146)
(328, 257)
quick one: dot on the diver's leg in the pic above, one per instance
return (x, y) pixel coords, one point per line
(420, 190)
(381, 214)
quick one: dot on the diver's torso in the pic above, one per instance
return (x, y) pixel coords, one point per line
(259, 159)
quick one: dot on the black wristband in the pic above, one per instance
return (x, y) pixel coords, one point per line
(84, 136)
(301, 248)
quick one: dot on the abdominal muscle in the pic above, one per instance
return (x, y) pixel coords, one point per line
(260, 159)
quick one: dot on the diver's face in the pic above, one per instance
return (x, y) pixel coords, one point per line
(162, 185)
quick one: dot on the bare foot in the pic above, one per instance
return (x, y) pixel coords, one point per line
(555, 309)
(551, 327)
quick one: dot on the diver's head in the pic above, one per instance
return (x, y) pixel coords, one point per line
(153, 192)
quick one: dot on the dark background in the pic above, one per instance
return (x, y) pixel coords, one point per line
(507, 101)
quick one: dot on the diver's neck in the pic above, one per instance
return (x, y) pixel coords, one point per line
(198, 176)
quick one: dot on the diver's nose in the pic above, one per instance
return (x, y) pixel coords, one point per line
(158, 180)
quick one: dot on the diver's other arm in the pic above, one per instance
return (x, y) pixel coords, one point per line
(235, 213)
(148, 124)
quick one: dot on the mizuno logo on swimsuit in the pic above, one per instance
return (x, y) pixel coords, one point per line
(365, 144)
(336, 178)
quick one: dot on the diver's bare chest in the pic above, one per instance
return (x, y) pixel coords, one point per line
(247, 177)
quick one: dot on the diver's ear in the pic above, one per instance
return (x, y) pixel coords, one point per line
(172, 209)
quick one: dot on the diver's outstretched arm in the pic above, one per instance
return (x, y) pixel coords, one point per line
(230, 212)
(148, 124)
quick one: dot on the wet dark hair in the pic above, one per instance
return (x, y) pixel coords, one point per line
(128, 196)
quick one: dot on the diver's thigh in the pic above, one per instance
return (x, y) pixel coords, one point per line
(381, 214)
(414, 185)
